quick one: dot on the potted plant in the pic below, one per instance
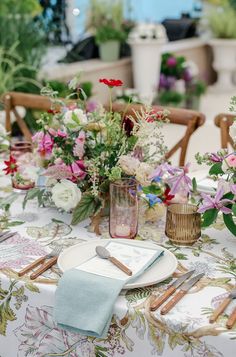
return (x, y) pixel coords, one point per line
(179, 85)
(106, 21)
(222, 23)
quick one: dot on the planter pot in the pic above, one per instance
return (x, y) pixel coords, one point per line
(224, 51)
(109, 51)
(20, 110)
(146, 57)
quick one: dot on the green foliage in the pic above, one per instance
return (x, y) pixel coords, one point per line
(216, 169)
(22, 7)
(32, 194)
(170, 97)
(229, 222)
(197, 88)
(11, 71)
(223, 22)
(87, 207)
(209, 217)
(109, 33)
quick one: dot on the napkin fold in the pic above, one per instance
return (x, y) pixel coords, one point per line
(84, 301)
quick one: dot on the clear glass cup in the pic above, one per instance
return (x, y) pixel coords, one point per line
(123, 221)
(20, 151)
(183, 224)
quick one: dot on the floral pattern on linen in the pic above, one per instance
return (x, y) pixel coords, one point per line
(39, 336)
(26, 307)
(11, 300)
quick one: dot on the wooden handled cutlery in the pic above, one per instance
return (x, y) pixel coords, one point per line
(170, 291)
(45, 263)
(181, 293)
(221, 308)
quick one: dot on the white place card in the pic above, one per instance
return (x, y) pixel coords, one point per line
(134, 257)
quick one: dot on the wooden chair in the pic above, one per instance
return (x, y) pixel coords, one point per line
(29, 101)
(189, 118)
(224, 121)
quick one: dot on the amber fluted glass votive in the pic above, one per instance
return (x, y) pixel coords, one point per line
(183, 224)
(123, 220)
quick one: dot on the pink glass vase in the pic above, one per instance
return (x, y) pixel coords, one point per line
(19, 149)
(123, 222)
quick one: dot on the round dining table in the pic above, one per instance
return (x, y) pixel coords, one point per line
(27, 325)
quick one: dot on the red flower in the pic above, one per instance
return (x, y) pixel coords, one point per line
(11, 166)
(111, 82)
(167, 197)
(155, 115)
(51, 111)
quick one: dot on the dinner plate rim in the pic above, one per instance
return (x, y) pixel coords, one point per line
(134, 284)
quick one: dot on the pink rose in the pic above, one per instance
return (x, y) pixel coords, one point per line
(231, 160)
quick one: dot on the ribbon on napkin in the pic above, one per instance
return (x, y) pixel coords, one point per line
(85, 298)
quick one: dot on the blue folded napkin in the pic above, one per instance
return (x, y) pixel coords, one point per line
(84, 301)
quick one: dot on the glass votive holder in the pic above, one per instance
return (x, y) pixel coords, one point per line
(123, 220)
(183, 224)
(21, 151)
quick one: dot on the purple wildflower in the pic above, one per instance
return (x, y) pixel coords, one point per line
(215, 158)
(180, 182)
(215, 202)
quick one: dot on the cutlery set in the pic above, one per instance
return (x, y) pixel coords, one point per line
(221, 308)
(184, 287)
(6, 235)
(45, 263)
(180, 282)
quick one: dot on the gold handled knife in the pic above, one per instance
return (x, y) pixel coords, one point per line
(170, 291)
(181, 293)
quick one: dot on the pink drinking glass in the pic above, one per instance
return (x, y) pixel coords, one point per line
(17, 150)
(123, 222)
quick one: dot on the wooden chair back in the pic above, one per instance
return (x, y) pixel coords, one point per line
(29, 101)
(189, 118)
(224, 121)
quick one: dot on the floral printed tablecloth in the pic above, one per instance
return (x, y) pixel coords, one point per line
(27, 328)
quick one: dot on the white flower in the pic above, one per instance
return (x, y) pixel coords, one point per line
(66, 195)
(73, 118)
(129, 164)
(143, 173)
(232, 131)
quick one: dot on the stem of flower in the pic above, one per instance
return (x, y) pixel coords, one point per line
(110, 98)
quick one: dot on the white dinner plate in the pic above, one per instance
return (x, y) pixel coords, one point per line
(159, 271)
(204, 182)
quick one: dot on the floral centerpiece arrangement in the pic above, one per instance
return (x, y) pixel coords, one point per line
(81, 152)
(223, 169)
